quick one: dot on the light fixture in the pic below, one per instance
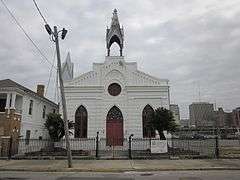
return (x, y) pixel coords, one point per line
(64, 32)
(48, 29)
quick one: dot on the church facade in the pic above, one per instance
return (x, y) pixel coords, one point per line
(115, 98)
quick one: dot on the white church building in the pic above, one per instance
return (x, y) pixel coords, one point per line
(115, 98)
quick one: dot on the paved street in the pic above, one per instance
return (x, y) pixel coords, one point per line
(169, 175)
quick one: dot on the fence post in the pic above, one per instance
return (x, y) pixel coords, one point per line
(130, 146)
(97, 141)
(10, 148)
(173, 152)
(216, 147)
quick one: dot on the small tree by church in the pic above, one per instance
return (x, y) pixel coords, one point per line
(55, 126)
(163, 121)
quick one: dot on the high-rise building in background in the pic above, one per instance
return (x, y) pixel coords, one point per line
(176, 114)
(184, 123)
(222, 119)
(236, 117)
(201, 114)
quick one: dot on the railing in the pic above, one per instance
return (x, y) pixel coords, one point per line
(122, 148)
(46, 147)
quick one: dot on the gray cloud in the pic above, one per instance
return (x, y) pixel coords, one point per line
(188, 42)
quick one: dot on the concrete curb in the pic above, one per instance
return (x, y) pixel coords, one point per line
(117, 170)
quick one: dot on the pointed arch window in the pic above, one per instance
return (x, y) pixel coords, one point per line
(114, 114)
(147, 115)
(81, 121)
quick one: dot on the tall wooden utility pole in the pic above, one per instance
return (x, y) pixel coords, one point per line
(69, 154)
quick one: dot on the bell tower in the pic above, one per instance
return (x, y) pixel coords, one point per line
(114, 34)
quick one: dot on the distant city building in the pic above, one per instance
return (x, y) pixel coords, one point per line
(222, 118)
(236, 117)
(175, 110)
(184, 122)
(201, 114)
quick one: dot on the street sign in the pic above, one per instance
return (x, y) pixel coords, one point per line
(159, 146)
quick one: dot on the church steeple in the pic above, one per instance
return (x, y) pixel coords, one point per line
(114, 34)
(67, 69)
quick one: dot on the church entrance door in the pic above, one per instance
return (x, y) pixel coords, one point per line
(114, 127)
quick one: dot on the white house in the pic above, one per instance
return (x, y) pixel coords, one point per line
(23, 111)
(115, 98)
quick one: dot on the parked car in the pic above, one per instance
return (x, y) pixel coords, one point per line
(232, 136)
(199, 136)
(186, 136)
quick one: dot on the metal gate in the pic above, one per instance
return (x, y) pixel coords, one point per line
(112, 149)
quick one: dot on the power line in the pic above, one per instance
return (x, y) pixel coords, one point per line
(25, 33)
(35, 3)
(56, 89)
(56, 93)
(50, 74)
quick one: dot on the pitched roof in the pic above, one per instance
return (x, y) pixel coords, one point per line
(6, 83)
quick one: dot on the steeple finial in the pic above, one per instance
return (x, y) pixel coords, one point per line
(115, 33)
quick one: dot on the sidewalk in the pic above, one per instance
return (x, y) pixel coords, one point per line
(119, 165)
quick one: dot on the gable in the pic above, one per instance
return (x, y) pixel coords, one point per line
(87, 79)
(139, 78)
(115, 69)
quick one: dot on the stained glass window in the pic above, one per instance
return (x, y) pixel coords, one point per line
(81, 123)
(147, 115)
(114, 114)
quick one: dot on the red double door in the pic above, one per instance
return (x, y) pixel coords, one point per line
(114, 127)
(114, 133)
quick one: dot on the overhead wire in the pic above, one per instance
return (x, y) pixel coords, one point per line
(50, 73)
(44, 19)
(56, 94)
(26, 34)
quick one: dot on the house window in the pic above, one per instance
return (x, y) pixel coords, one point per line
(2, 105)
(44, 112)
(54, 111)
(28, 132)
(30, 107)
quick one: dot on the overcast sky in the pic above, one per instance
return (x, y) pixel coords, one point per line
(193, 43)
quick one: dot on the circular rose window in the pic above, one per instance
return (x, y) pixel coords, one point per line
(114, 89)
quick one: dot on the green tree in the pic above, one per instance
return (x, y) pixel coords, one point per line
(55, 126)
(163, 121)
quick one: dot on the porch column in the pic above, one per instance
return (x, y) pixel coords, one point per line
(13, 101)
(8, 102)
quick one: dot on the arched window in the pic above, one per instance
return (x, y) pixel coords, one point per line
(147, 115)
(114, 114)
(81, 117)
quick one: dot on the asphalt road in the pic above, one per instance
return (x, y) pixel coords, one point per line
(162, 175)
